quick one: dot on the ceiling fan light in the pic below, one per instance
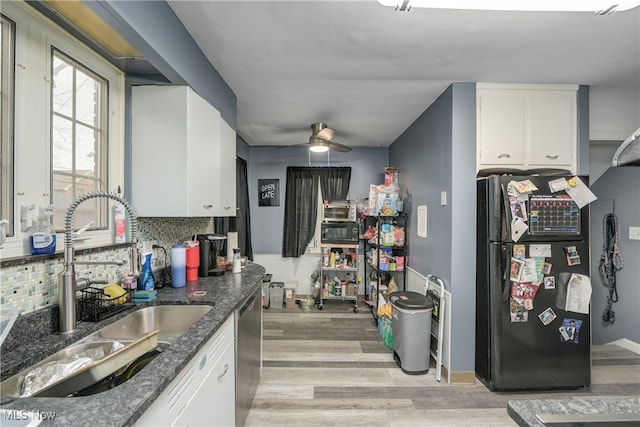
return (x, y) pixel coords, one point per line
(319, 148)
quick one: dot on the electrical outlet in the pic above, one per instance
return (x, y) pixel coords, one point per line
(634, 233)
(147, 246)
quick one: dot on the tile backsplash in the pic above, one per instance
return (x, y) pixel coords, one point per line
(31, 283)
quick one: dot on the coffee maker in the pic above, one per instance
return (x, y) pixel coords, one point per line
(210, 247)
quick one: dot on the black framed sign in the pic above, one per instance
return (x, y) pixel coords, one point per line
(269, 192)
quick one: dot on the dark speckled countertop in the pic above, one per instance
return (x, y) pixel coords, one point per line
(524, 412)
(123, 405)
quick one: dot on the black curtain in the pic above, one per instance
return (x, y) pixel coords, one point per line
(243, 215)
(334, 183)
(301, 203)
(300, 210)
(241, 222)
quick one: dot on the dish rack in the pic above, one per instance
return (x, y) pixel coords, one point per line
(94, 305)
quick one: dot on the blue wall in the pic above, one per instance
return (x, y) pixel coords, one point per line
(435, 154)
(367, 167)
(617, 192)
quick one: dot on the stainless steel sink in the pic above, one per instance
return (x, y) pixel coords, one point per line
(138, 333)
(170, 321)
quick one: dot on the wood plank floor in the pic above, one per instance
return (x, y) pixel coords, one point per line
(330, 368)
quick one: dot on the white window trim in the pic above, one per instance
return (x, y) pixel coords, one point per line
(35, 36)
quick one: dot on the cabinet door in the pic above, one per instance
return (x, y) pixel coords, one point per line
(208, 380)
(158, 135)
(500, 127)
(552, 128)
(202, 157)
(213, 404)
(226, 166)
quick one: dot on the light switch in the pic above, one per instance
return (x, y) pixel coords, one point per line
(634, 233)
(443, 198)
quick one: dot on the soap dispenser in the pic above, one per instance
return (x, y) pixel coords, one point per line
(42, 236)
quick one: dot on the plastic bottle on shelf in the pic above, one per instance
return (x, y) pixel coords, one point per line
(332, 261)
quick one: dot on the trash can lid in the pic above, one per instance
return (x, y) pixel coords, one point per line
(410, 300)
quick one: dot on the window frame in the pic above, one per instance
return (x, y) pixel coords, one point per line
(7, 106)
(103, 155)
(36, 36)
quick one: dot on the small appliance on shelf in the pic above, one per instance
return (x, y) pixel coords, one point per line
(338, 211)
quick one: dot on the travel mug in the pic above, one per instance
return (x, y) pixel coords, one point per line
(178, 266)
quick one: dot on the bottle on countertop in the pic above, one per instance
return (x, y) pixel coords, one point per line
(237, 264)
(42, 236)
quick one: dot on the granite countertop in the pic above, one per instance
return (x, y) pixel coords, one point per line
(524, 412)
(124, 404)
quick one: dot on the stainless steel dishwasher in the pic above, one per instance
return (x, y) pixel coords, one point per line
(248, 354)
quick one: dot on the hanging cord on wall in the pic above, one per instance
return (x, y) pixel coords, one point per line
(610, 262)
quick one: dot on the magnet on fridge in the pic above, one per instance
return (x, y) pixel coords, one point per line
(573, 257)
(547, 316)
(570, 330)
(518, 227)
(549, 282)
(546, 268)
(519, 251)
(518, 312)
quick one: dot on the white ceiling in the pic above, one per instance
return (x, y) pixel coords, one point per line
(369, 71)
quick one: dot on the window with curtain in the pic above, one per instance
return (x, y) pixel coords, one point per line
(301, 202)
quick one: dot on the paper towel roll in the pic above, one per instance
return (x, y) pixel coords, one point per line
(232, 242)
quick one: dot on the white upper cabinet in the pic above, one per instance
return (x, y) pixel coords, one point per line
(180, 154)
(526, 126)
(227, 171)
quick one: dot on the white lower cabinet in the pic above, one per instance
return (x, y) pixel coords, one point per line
(203, 394)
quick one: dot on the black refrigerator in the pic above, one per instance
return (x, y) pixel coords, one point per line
(532, 251)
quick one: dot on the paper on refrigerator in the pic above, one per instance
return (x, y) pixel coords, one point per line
(579, 192)
(578, 294)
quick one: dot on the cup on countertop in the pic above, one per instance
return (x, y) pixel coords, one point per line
(178, 266)
(192, 256)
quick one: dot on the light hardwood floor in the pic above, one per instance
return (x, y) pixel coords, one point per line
(330, 368)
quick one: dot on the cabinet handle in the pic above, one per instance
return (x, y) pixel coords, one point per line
(224, 372)
(207, 206)
(505, 155)
(551, 157)
(226, 208)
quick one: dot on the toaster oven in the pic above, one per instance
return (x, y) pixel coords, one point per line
(338, 211)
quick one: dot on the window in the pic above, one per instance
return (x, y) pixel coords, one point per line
(68, 128)
(79, 138)
(7, 44)
(302, 203)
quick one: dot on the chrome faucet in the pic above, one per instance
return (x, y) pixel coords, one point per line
(68, 284)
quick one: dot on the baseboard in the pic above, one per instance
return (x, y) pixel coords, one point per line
(628, 344)
(458, 377)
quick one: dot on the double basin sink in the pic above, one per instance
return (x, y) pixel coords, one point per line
(113, 348)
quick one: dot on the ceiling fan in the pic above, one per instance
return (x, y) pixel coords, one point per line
(320, 139)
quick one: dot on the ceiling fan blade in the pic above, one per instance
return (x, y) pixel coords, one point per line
(327, 134)
(339, 147)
